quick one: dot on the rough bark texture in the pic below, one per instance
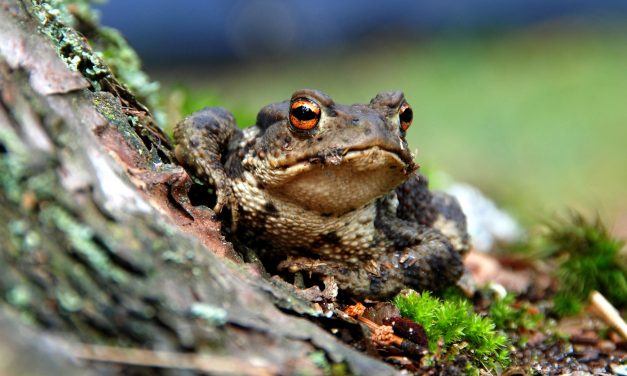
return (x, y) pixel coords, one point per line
(99, 243)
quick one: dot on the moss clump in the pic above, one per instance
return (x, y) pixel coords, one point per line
(518, 318)
(588, 259)
(507, 314)
(453, 328)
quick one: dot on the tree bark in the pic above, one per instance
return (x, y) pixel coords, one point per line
(100, 246)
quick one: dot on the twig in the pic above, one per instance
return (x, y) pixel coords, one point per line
(164, 359)
(380, 333)
(608, 313)
(384, 334)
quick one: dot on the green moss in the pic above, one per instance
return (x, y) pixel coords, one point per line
(520, 317)
(565, 304)
(452, 328)
(589, 259)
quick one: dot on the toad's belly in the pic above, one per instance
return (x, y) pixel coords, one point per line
(291, 230)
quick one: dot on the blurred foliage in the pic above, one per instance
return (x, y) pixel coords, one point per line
(452, 327)
(588, 258)
(535, 118)
(126, 66)
(182, 100)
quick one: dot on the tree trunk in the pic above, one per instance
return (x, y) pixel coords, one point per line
(100, 246)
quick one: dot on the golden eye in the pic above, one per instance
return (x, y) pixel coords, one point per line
(304, 114)
(406, 115)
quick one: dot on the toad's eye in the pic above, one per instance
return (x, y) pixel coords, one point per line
(406, 115)
(304, 114)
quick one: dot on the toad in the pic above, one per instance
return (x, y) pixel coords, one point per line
(330, 190)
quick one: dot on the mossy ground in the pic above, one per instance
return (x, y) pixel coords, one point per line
(452, 328)
(588, 259)
(492, 333)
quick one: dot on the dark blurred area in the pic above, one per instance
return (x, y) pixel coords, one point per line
(165, 31)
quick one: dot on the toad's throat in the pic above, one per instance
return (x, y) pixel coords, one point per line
(335, 187)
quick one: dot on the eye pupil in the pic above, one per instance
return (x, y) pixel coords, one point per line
(304, 113)
(405, 115)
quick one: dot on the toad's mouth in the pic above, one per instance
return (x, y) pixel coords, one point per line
(338, 156)
(337, 183)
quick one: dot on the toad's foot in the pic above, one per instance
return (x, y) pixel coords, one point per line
(432, 264)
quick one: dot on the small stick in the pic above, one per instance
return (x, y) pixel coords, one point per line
(356, 311)
(393, 339)
(608, 313)
(384, 334)
(163, 359)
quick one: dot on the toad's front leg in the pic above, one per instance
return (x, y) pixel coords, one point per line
(427, 261)
(422, 256)
(202, 143)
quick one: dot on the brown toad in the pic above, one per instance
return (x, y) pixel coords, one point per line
(332, 190)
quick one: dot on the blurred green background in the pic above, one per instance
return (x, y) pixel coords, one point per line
(526, 101)
(537, 119)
